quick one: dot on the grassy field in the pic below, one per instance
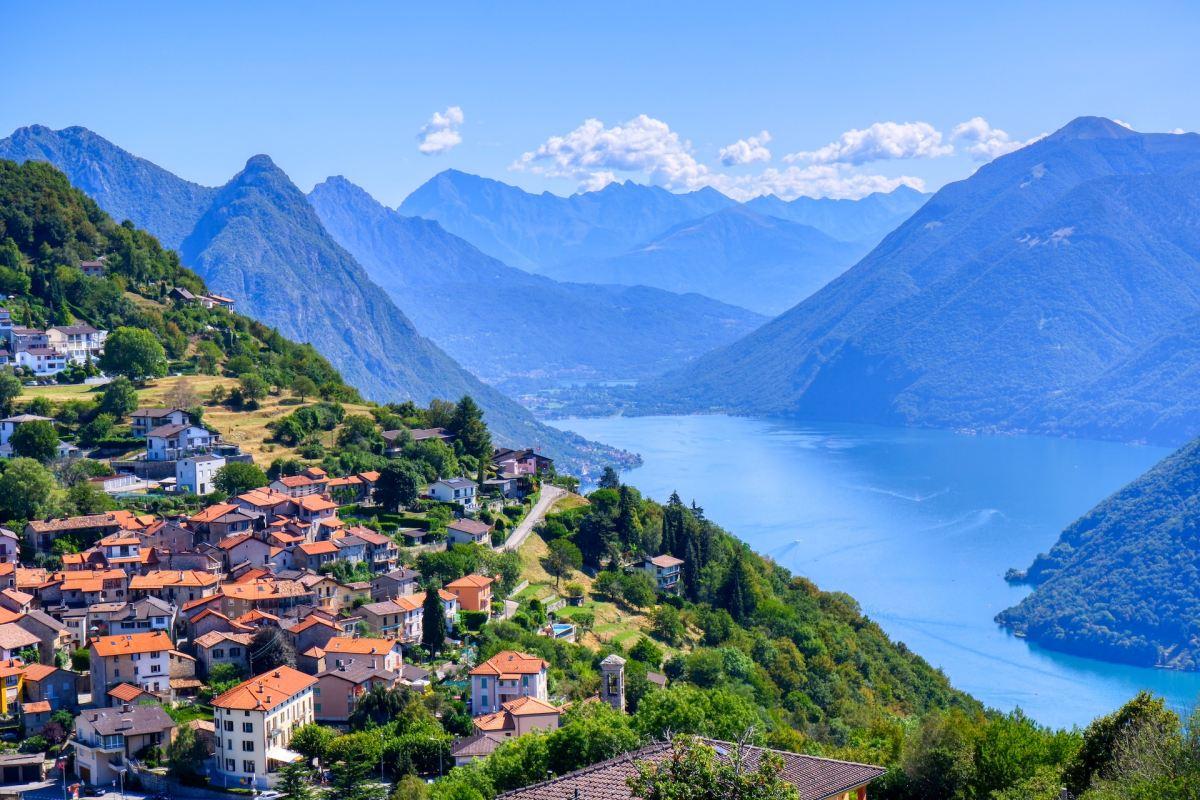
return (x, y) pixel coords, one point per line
(613, 623)
(245, 428)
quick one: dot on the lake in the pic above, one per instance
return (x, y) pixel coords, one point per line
(919, 526)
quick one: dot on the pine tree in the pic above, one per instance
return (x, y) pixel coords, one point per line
(433, 630)
(736, 594)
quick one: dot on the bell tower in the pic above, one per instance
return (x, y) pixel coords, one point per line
(612, 681)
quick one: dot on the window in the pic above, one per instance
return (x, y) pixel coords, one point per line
(247, 727)
(229, 725)
(248, 746)
(317, 691)
(525, 681)
(218, 653)
(485, 702)
(248, 766)
(318, 708)
(483, 683)
(230, 765)
(229, 744)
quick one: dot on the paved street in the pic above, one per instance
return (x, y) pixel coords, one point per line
(54, 791)
(549, 496)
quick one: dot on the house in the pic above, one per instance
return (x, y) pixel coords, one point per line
(197, 474)
(10, 547)
(313, 631)
(507, 676)
(474, 592)
(518, 717)
(222, 647)
(175, 586)
(469, 531)
(106, 738)
(665, 571)
(421, 434)
(314, 555)
(144, 420)
(266, 594)
(397, 619)
(53, 634)
(35, 715)
(454, 490)
(9, 425)
(245, 548)
(93, 269)
(120, 483)
(84, 587)
(141, 659)
(221, 520)
(80, 343)
(267, 501)
(338, 689)
(11, 670)
(42, 361)
(173, 442)
(52, 685)
(301, 485)
(142, 615)
(381, 551)
(396, 583)
(473, 748)
(814, 778)
(254, 724)
(385, 653)
(14, 639)
(85, 529)
(15, 600)
(521, 462)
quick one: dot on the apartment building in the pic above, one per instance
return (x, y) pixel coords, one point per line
(254, 724)
(141, 659)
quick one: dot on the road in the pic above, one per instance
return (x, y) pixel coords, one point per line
(548, 498)
(54, 791)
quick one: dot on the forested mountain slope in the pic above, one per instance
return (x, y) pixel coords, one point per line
(1006, 302)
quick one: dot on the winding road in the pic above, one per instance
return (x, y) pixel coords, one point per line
(547, 499)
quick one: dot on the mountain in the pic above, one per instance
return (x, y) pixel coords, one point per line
(125, 186)
(1011, 300)
(260, 242)
(504, 323)
(533, 231)
(735, 255)
(866, 220)
(1123, 582)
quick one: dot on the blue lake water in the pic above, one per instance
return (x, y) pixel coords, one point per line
(919, 526)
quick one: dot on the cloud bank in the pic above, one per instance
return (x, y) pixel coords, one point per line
(440, 134)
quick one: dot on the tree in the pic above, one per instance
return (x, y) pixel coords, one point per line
(610, 479)
(563, 559)
(360, 432)
(736, 593)
(303, 386)
(25, 488)
(182, 395)
(87, 498)
(270, 648)
(208, 356)
(647, 652)
(312, 741)
(379, 706)
(96, 431)
(254, 387)
(469, 430)
(433, 631)
(355, 779)
(134, 353)
(398, 486)
(295, 781)
(668, 626)
(119, 398)
(186, 756)
(10, 390)
(237, 477)
(1143, 715)
(693, 771)
(37, 440)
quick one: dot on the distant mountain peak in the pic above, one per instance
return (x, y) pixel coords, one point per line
(1092, 128)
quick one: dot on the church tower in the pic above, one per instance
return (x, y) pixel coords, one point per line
(612, 682)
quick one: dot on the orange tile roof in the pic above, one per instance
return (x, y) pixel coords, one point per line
(162, 578)
(292, 481)
(38, 707)
(470, 582)
(10, 667)
(314, 502)
(524, 706)
(118, 539)
(264, 692)
(318, 548)
(37, 672)
(7, 615)
(510, 663)
(126, 692)
(315, 472)
(310, 621)
(233, 540)
(127, 643)
(265, 496)
(263, 588)
(369, 536)
(359, 645)
(370, 475)
(213, 512)
(254, 615)
(213, 638)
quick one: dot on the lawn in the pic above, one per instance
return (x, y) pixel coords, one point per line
(245, 428)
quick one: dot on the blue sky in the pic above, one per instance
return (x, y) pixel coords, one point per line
(344, 88)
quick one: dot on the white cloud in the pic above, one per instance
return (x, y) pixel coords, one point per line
(881, 141)
(440, 134)
(983, 142)
(1122, 123)
(1177, 131)
(746, 151)
(592, 152)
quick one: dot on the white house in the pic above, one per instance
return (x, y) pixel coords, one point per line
(507, 676)
(454, 490)
(41, 361)
(142, 659)
(80, 343)
(195, 474)
(665, 571)
(254, 722)
(469, 531)
(144, 420)
(9, 425)
(171, 442)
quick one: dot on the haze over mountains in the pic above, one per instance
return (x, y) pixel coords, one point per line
(1043, 293)
(505, 324)
(258, 240)
(764, 255)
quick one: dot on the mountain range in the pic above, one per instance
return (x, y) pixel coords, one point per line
(258, 240)
(509, 326)
(1123, 582)
(764, 255)
(736, 255)
(1042, 293)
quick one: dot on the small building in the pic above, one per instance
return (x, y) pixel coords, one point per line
(223, 647)
(106, 738)
(519, 717)
(254, 723)
(396, 583)
(473, 748)
(507, 676)
(22, 768)
(197, 474)
(80, 343)
(474, 592)
(339, 689)
(460, 491)
(665, 571)
(173, 442)
(384, 653)
(521, 462)
(52, 685)
(144, 420)
(469, 531)
(142, 659)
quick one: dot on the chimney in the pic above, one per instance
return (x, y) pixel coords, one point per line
(125, 707)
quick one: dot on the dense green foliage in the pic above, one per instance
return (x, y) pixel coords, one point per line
(1123, 582)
